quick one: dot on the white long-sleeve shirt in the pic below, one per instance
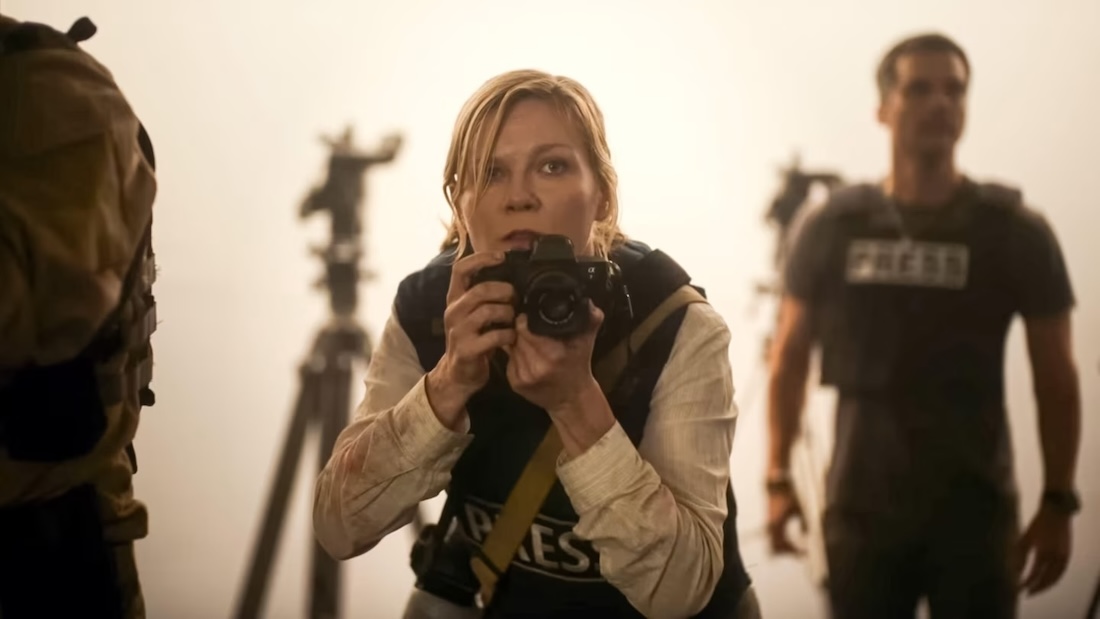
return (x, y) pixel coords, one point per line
(654, 513)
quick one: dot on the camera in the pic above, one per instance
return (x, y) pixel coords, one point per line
(553, 286)
(441, 564)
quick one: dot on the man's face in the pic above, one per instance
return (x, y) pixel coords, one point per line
(925, 111)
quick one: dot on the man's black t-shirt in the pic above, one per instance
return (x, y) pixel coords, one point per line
(911, 307)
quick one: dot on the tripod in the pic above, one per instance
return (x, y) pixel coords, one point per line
(1094, 605)
(341, 348)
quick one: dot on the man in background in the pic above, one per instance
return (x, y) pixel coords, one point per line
(909, 287)
(76, 314)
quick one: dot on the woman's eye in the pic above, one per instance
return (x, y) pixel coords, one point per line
(554, 166)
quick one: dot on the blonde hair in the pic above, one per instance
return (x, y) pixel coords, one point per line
(478, 127)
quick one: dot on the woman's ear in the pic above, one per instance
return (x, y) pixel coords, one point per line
(603, 211)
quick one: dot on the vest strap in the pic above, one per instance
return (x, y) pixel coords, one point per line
(608, 370)
(540, 473)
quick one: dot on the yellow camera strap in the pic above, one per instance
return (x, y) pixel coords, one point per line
(540, 473)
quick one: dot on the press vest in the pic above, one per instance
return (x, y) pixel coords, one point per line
(555, 572)
(903, 315)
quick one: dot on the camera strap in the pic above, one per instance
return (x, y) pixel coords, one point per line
(540, 473)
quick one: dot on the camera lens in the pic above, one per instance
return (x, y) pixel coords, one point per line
(553, 297)
(557, 306)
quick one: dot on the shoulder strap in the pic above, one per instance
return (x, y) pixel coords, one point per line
(540, 474)
(854, 197)
(996, 194)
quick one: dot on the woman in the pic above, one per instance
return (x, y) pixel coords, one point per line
(641, 523)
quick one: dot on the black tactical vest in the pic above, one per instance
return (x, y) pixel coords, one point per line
(555, 573)
(920, 315)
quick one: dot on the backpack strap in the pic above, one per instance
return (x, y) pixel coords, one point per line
(540, 473)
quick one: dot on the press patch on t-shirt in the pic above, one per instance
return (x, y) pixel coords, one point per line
(908, 263)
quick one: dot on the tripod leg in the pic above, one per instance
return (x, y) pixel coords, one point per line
(1094, 606)
(335, 403)
(263, 557)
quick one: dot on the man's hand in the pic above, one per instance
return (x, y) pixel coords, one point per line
(782, 507)
(1047, 544)
(1057, 392)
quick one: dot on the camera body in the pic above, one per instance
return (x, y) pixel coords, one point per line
(553, 286)
(442, 566)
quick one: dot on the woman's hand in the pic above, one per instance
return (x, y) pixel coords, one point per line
(547, 371)
(464, 367)
(556, 375)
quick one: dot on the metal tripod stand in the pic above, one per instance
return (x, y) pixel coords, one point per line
(341, 349)
(1094, 605)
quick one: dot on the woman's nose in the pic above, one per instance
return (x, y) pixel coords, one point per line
(520, 196)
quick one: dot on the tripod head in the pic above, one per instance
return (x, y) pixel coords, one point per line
(792, 196)
(782, 212)
(797, 184)
(341, 195)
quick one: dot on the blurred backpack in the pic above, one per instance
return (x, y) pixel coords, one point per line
(57, 412)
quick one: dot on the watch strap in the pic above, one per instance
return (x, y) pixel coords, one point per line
(1065, 501)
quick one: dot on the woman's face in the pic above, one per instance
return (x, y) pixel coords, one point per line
(540, 182)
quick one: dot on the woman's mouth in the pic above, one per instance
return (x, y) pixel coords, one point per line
(521, 239)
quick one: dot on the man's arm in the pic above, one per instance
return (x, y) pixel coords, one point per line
(1048, 540)
(792, 342)
(1045, 298)
(1057, 393)
(789, 365)
(789, 370)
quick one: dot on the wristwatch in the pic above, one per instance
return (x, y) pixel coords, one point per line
(1065, 501)
(779, 481)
